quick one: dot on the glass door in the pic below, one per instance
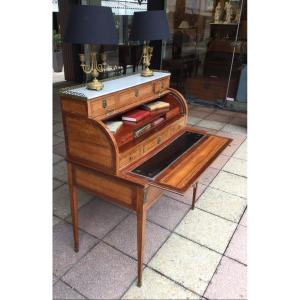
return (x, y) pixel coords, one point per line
(200, 53)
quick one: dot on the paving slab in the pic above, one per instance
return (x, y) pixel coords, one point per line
(104, 273)
(64, 256)
(230, 183)
(61, 200)
(243, 221)
(63, 291)
(188, 196)
(60, 149)
(57, 127)
(124, 237)
(56, 183)
(219, 162)
(238, 245)
(60, 171)
(241, 152)
(211, 124)
(208, 175)
(193, 120)
(234, 129)
(57, 158)
(186, 262)
(207, 229)
(167, 212)
(156, 286)
(99, 217)
(229, 282)
(222, 204)
(236, 166)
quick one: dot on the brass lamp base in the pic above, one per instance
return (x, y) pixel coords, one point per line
(95, 84)
(147, 72)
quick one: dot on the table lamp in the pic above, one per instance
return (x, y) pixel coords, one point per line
(148, 26)
(93, 25)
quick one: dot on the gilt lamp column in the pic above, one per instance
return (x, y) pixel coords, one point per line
(149, 26)
(92, 25)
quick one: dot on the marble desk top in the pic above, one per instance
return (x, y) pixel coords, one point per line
(113, 85)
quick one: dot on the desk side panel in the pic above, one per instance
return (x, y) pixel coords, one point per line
(87, 141)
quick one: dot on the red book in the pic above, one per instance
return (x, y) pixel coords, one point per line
(136, 115)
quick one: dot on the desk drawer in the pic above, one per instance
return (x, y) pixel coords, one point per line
(101, 106)
(130, 156)
(155, 141)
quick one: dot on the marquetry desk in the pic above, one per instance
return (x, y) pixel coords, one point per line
(132, 169)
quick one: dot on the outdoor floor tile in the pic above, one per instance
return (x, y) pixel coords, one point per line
(55, 220)
(230, 281)
(60, 134)
(61, 200)
(231, 183)
(218, 117)
(237, 138)
(219, 162)
(237, 248)
(208, 130)
(224, 112)
(57, 116)
(63, 291)
(204, 108)
(99, 217)
(56, 183)
(104, 273)
(239, 121)
(198, 114)
(243, 221)
(188, 196)
(64, 255)
(156, 286)
(206, 229)
(57, 127)
(193, 120)
(230, 149)
(234, 129)
(208, 175)
(57, 158)
(54, 279)
(167, 212)
(60, 149)
(60, 171)
(222, 204)
(236, 166)
(186, 262)
(57, 140)
(211, 124)
(241, 152)
(124, 237)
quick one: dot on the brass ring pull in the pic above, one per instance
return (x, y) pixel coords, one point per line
(136, 92)
(104, 103)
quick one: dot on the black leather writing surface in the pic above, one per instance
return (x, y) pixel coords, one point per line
(163, 159)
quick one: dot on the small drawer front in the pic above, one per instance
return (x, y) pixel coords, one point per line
(127, 97)
(160, 85)
(176, 127)
(130, 156)
(104, 105)
(156, 141)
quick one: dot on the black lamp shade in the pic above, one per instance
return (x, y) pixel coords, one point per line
(89, 24)
(149, 26)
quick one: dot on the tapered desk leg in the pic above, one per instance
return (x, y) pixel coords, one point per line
(74, 207)
(141, 220)
(194, 194)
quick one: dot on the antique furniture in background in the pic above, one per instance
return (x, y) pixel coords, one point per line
(132, 167)
(93, 25)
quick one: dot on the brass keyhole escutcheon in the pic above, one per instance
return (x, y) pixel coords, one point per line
(104, 103)
(158, 140)
(136, 92)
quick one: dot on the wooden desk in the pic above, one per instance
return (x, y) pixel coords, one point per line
(102, 162)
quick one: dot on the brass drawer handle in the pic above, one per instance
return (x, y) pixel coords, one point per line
(104, 103)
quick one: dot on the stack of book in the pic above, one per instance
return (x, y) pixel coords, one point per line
(157, 106)
(113, 126)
